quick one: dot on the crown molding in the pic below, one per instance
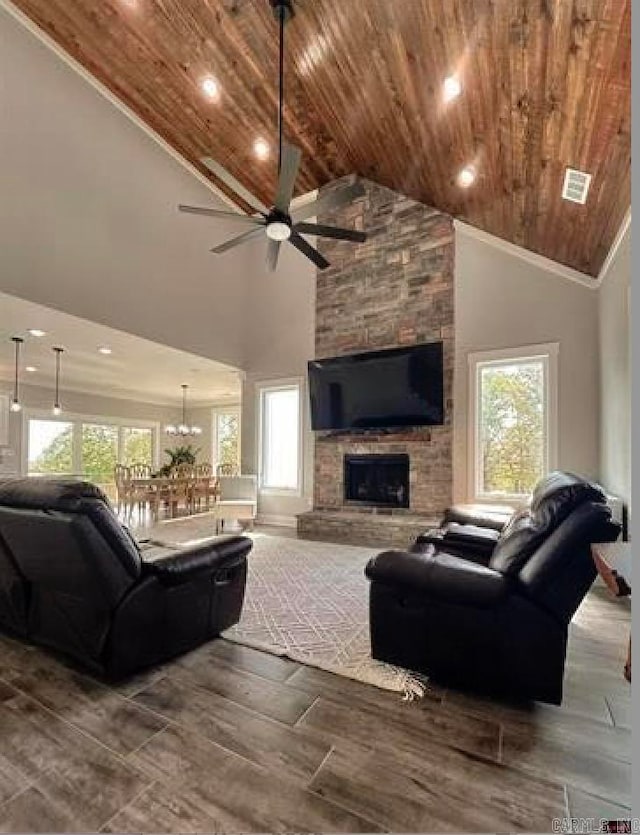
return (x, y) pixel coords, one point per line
(104, 91)
(541, 261)
(615, 246)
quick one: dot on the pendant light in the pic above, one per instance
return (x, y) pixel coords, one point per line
(183, 429)
(15, 403)
(57, 408)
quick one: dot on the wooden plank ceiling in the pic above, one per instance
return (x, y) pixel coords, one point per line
(546, 84)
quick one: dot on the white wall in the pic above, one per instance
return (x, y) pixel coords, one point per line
(504, 301)
(280, 334)
(88, 213)
(615, 374)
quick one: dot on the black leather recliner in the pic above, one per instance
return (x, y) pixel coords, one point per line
(72, 578)
(493, 618)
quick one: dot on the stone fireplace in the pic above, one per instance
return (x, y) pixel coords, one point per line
(376, 480)
(394, 290)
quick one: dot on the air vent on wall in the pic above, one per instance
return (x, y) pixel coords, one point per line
(576, 185)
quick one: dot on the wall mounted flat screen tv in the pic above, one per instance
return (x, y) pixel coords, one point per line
(378, 389)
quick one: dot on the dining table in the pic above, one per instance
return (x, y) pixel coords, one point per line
(170, 489)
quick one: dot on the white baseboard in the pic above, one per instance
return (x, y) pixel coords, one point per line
(276, 519)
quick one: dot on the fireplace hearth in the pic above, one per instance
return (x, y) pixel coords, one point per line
(377, 480)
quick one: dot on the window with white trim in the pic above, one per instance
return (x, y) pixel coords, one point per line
(280, 434)
(513, 401)
(226, 437)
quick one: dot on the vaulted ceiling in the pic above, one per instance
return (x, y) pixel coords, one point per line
(545, 85)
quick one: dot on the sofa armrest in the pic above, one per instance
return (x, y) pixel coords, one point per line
(484, 516)
(471, 541)
(440, 575)
(207, 557)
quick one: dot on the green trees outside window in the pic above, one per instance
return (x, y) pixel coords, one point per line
(512, 429)
(88, 449)
(50, 447)
(99, 452)
(137, 446)
(228, 436)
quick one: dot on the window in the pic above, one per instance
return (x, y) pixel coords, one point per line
(136, 446)
(87, 448)
(99, 452)
(50, 448)
(280, 435)
(513, 396)
(226, 437)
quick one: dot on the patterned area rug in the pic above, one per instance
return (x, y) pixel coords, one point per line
(308, 601)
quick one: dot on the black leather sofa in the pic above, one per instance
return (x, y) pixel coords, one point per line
(73, 578)
(486, 607)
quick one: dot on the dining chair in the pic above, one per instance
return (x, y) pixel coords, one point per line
(182, 481)
(203, 488)
(142, 495)
(122, 480)
(139, 470)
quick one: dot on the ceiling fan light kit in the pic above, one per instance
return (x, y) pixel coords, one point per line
(278, 222)
(278, 230)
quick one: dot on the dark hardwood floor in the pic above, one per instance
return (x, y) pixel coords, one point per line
(228, 739)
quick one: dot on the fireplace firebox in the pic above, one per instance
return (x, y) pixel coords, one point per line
(376, 480)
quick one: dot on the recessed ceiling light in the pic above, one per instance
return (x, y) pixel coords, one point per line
(31, 369)
(37, 332)
(261, 148)
(313, 55)
(210, 87)
(105, 350)
(467, 176)
(451, 88)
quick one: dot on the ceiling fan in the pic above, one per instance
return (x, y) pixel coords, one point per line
(278, 221)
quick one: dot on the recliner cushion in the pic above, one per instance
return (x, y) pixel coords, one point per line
(48, 493)
(519, 539)
(71, 496)
(560, 493)
(554, 498)
(560, 572)
(486, 516)
(117, 536)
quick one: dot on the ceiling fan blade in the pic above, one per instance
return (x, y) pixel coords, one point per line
(240, 239)
(273, 250)
(291, 157)
(331, 232)
(230, 181)
(201, 210)
(329, 202)
(306, 249)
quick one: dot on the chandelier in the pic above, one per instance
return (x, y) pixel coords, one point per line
(183, 429)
